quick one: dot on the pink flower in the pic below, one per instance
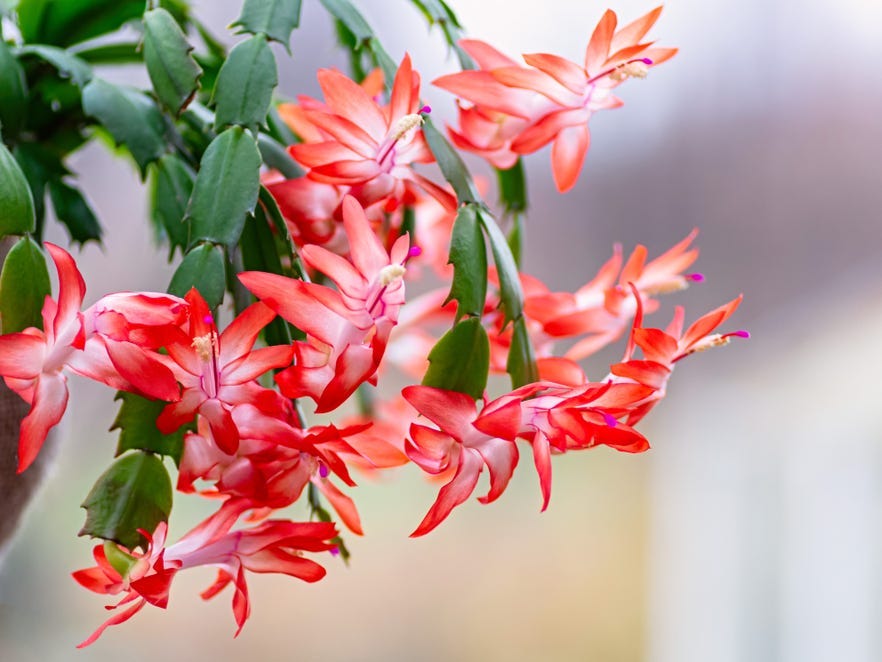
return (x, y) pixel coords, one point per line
(275, 546)
(663, 349)
(455, 445)
(357, 143)
(566, 94)
(348, 328)
(32, 362)
(217, 372)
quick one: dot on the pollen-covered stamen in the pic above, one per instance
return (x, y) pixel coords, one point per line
(405, 124)
(389, 274)
(401, 128)
(204, 346)
(207, 349)
(714, 340)
(637, 68)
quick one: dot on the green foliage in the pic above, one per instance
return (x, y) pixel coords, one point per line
(130, 116)
(24, 284)
(134, 493)
(451, 164)
(73, 211)
(117, 53)
(171, 184)
(66, 22)
(245, 85)
(468, 255)
(226, 188)
(460, 361)
(202, 268)
(512, 188)
(511, 295)
(136, 422)
(40, 166)
(274, 18)
(276, 156)
(13, 91)
(358, 35)
(438, 12)
(173, 71)
(16, 203)
(349, 16)
(521, 362)
(66, 63)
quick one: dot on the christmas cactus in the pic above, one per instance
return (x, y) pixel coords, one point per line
(300, 230)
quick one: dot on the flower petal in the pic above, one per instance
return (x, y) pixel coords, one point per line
(50, 401)
(568, 155)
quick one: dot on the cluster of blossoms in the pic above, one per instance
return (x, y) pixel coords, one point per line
(356, 217)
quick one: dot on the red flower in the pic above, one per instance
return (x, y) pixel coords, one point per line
(217, 372)
(367, 147)
(274, 546)
(455, 445)
(32, 362)
(569, 94)
(348, 328)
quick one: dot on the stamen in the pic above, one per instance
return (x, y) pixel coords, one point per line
(633, 69)
(405, 124)
(390, 273)
(204, 346)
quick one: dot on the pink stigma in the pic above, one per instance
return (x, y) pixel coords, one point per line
(696, 277)
(740, 334)
(426, 110)
(335, 551)
(415, 251)
(208, 319)
(323, 470)
(646, 60)
(610, 420)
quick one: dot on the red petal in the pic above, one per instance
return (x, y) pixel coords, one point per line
(535, 81)
(599, 45)
(21, 355)
(568, 154)
(50, 401)
(545, 130)
(71, 287)
(239, 337)
(453, 493)
(348, 99)
(567, 73)
(146, 374)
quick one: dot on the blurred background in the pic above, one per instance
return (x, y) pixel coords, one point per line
(753, 528)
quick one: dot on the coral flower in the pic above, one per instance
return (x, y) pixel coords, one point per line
(367, 147)
(275, 546)
(348, 328)
(218, 371)
(571, 93)
(32, 362)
